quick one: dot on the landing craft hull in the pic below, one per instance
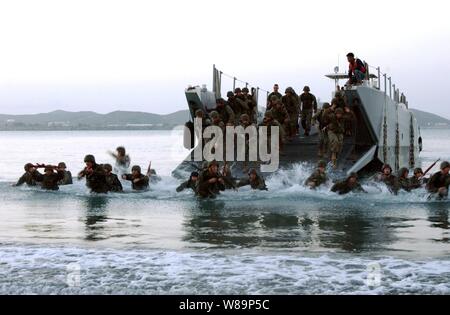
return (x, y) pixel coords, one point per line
(386, 132)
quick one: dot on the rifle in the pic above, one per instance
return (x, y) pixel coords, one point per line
(431, 166)
(149, 169)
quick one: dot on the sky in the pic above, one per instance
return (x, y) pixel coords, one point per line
(140, 55)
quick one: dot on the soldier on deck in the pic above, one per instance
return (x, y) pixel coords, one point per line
(235, 106)
(323, 137)
(439, 182)
(351, 184)
(319, 177)
(255, 181)
(335, 133)
(281, 115)
(191, 183)
(291, 103)
(112, 180)
(308, 104)
(216, 120)
(270, 122)
(274, 93)
(138, 180)
(387, 178)
(338, 101)
(272, 101)
(210, 182)
(225, 112)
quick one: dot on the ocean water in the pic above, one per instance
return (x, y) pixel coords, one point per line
(289, 240)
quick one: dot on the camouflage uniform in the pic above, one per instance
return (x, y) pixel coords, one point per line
(335, 132)
(27, 177)
(257, 184)
(345, 187)
(206, 189)
(403, 180)
(439, 182)
(225, 112)
(281, 115)
(318, 177)
(49, 181)
(251, 104)
(308, 107)
(291, 103)
(112, 180)
(269, 121)
(323, 137)
(143, 180)
(95, 180)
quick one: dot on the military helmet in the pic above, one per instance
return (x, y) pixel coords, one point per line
(385, 166)
(306, 88)
(28, 166)
(48, 168)
(289, 90)
(402, 171)
(136, 168)
(418, 170)
(245, 90)
(268, 114)
(89, 158)
(194, 174)
(220, 101)
(245, 116)
(237, 90)
(321, 163)
(339, 111)
(252, 171)
(213, 162)
(121, 149)
(326, 105)
(230, 94)
(214, 114)
(62, 165)
(107, 167)
(274, 98)
(445, 164)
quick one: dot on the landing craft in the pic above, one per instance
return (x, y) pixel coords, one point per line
(386, 130)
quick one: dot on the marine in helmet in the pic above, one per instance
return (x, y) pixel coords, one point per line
(251, 104)
(216, 120)
(319, 117)
(95, 175)
(318, 177)
(351, 184)
(49, 180)
(191, 183)
(67, 180)
(417, 180)
(27, 177)
(253, 180)
(138, 180)
(308, 106)
(388, 178)
(122, 159)
(291, 102)
(403, 180)
(439, 182)
(112, 180)
(335, 133)
(225, 112)
(270, 122)
(210, 181)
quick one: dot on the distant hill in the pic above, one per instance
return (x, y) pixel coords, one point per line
(429, 120)
(64, 120)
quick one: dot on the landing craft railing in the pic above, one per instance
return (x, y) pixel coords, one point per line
(217, 86)
(394, 92)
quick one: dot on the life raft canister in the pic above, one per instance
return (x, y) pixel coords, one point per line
(189, 136)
